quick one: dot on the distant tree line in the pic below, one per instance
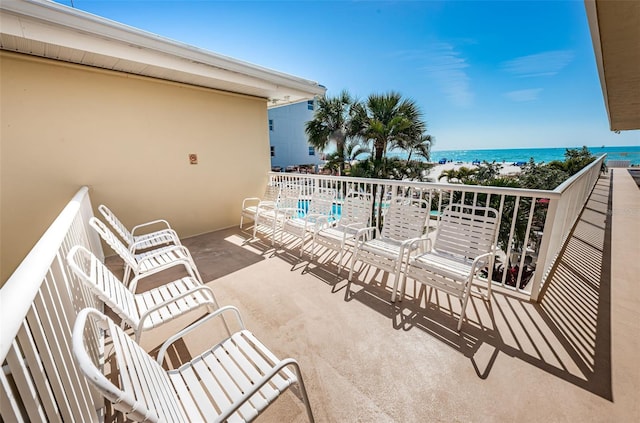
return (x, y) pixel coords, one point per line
(546, 176)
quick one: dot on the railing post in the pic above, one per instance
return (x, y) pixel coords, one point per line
(545, 244)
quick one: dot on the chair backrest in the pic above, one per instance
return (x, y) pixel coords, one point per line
(466, 231)
(113, 241)
(104, 284)
(289, 196)
(116, 224)
(405, 218)
(356, 208)
(321, 201)
(145, 392)
(271, 193)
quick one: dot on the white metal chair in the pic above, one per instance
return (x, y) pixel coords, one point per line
(340, 235)
(139, 241)
(235, 380)
(146, 310)
(464, 245)
(288, 199)
(160, 258)
(404, 220)
(251, 205)
(303, 221)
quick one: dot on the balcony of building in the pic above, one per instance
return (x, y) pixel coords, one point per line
(567, 355)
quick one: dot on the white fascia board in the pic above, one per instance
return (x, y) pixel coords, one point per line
(53, 23)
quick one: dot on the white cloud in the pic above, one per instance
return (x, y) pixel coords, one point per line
(446, 66)
(523, 95)
(542, 64)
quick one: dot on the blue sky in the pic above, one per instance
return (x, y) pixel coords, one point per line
(486, 74)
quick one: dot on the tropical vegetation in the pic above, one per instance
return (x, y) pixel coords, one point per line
(380, 123)
(544, 176)
(364, 132)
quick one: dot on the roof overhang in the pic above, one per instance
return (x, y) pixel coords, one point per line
(51, 30)
(615, 32)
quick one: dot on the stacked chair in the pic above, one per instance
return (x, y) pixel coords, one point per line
(251, 205)
(148, 240)
(302, 222)
(146, 310)
(340, 234)
(274, 216)
(162, 257)
(464, 246)
(404, 220)
(234, 380)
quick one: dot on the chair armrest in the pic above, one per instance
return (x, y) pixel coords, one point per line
(321, 221)
(250, 200)
(133, 247)
(475, 262)
(169, 249)
(195, 325)
(153, 222)
(288, 211)
(411, 244)
(110, 391)
(356, 225)
(365, 234)
(267, 203)
(408, 246)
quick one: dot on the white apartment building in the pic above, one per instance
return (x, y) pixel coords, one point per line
(287, 138)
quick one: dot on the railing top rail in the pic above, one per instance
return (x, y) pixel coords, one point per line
(18, 293)
(566, 184)
(535, 193)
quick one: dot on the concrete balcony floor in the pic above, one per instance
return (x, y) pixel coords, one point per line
(572, 357)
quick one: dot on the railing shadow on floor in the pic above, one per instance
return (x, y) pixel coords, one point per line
(566, 334)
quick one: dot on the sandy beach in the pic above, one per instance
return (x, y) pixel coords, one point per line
(507, 169)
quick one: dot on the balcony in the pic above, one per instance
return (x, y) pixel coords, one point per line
(562, 348)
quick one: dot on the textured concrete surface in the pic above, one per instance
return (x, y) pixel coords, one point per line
(572, 357)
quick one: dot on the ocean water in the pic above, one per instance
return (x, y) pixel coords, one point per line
(515, 155)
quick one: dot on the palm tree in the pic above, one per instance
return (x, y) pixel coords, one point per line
(330, 123)
(463, 175)
(420, 145)
(387, 120)
(353, 149)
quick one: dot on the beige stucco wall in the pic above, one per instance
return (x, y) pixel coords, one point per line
(128, 138)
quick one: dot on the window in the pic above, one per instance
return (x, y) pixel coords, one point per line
(271, 125)
(273, 151)
(312, 151)
(310, 105)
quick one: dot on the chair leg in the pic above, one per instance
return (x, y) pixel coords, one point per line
(463, 305)
(301, 244)
(313, 247)
(303, 392)
(340, 256)
(255, 228)
(353, 264)
(402, 288)
(396, 280)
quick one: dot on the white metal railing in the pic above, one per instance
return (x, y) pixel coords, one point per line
(562, 217)
(38, 305)
(534, 224)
